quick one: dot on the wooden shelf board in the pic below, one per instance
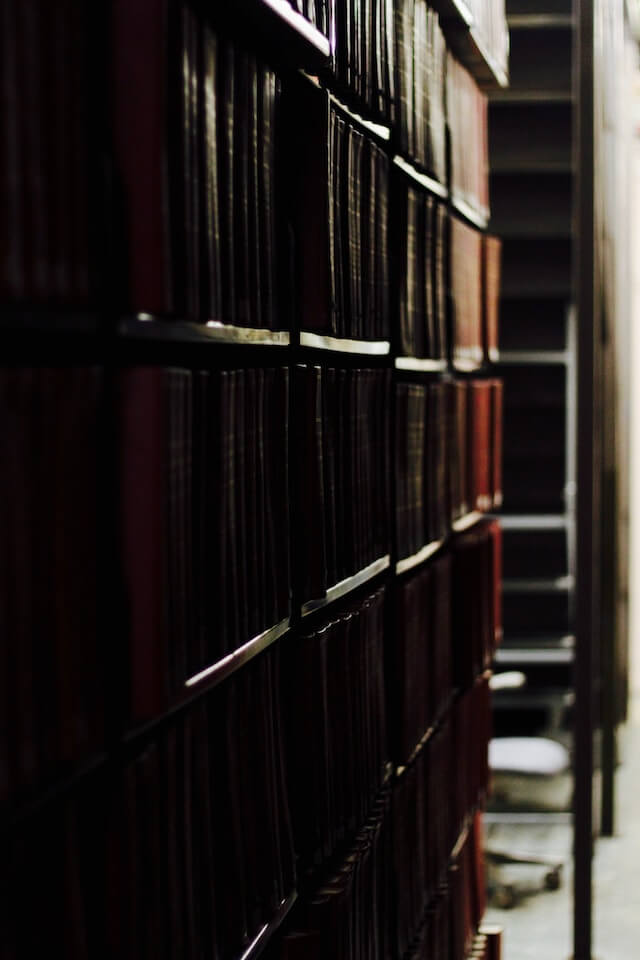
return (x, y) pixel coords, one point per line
(347, 585)
(408, 563)
(420, 365)
(422, 179)
(146, 327)
(319, 341)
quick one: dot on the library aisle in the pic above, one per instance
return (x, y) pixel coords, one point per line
(540, 924)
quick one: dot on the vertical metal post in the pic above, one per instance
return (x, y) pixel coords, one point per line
(587, 531)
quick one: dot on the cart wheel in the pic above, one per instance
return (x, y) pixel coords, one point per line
(505, 896)
(552, 879)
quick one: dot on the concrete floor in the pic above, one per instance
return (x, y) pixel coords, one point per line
(539, 927)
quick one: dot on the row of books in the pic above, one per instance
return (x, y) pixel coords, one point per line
(451, 921)
(472, 726)
(349, 917)
(45, 90)
(186, 849)
(197, 162)
(341, 475)
(364, 55)
(434, 801)
(421, 55)
(474, 272)
(476, 600)
(421, 465)
(421, 264)
(200, 851)
(468, 129)
(334, 679)
(194, 120)
(475, 450)
(468, 896)
(423, 832)
(420, 669)
(338, 206)
(203, 527)
(448, 456)
(204, 518)
(466, 262)
(430, 244)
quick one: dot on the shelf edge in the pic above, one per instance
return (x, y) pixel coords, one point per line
(348, 585)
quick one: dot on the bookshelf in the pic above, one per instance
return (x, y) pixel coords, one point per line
(254, 441)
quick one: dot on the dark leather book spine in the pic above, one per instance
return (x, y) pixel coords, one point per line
(249, 440)
(442, 238)
(271, 429)
(497, 408)
(329, 437)
(227, 632)
(368, 472)
(352, 317)
(382, 271)
(358, 481)
(341, 39)
(202, 540)
(180, 479)
(349, 411)
(241, 253)
(181, 225)
(495, 532)
(404, 60)
(457, 261)
(417, 465)
(255, 258)
(310, 567)
(359, 199)
(442, 511)
(341, 426)
(241, 526)
(408, 315)
(333, 219)
(288, 862)
(309, 200)
(390, 63)
(143, 504)
(355, 46)
(193, 69)
(266, 205)
(226, 152)
(371, 321)
(261, 598)
(139, 122)
(420, 84)
(211, 184)
(280, 416)
(273, 885)
(492, 274)
(431, 348)
(204, 879)
(419, 332)
(463, 400)
(304, 722)
(402, 470)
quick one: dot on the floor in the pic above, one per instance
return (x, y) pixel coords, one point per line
(540, 924)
